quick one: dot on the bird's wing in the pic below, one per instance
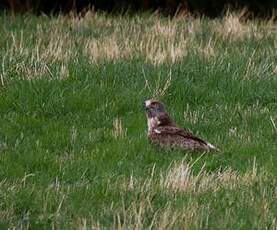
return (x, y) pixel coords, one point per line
(173, 130)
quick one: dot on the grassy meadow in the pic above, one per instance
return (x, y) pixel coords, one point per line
(73, 143)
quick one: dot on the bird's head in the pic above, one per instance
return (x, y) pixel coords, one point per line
(153, 108)
(156, 114)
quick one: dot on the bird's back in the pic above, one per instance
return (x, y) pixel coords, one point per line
(174, 137)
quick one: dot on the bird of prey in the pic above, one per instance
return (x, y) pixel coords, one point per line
(163, 132)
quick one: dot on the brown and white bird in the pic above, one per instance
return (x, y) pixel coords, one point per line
(163, 132)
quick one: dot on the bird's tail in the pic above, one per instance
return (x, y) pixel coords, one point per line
(211, 147)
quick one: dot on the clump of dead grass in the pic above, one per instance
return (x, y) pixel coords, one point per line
(180, 178)
(118, 130)
(232, 27)
(102, 38)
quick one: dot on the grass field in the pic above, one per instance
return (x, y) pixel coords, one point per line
(73, 147)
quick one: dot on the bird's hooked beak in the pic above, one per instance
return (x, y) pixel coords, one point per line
(144, 105)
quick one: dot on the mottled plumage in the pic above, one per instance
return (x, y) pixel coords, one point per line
(163, 132)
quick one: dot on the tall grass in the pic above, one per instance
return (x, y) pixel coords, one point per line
(73, 146)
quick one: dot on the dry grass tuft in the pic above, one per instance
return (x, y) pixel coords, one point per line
(118, 130)
(160, 87)
(101, 38)
(140, 214)
(232, 27)
(179, 178)
(163, 44)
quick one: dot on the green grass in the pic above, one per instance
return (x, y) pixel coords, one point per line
(73, 147)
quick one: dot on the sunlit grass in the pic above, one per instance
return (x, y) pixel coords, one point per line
(73, 146)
